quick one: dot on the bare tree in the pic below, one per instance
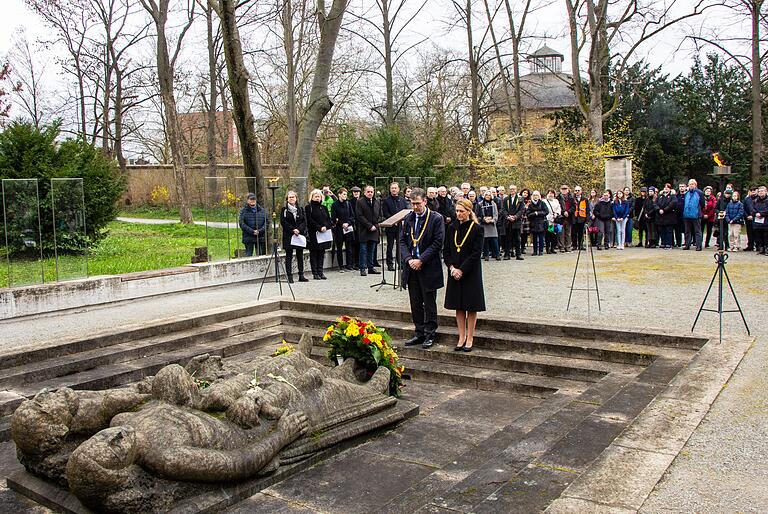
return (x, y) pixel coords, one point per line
(29, 74)
(166, 65)
(319, 105)
(238, 87)
(629, 24)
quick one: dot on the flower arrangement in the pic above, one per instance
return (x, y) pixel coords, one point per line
(369, 345)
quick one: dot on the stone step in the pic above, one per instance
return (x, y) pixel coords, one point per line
(547, 365)
(68, 364)
(508, 341)
(569, 330)
(54, 349)
(488, 379)
(477, 378)
(122, 373)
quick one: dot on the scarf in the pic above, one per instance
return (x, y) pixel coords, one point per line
(293, 210)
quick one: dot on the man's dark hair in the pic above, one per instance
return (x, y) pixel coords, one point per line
(417, 192)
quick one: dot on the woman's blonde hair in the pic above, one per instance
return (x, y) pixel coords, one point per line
(315, 192)
(467, 205)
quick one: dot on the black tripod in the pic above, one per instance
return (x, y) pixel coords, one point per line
(588, 289)
(721, 257)
(275, 257)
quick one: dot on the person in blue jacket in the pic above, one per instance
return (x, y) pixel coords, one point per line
(620, 215)
(253, 223)
(734, 217)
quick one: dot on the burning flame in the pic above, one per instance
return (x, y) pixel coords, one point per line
(718, 160)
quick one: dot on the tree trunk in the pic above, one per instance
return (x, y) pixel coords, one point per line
(238, 86)
(212, 95)
(319, 104)
(291, 118)
(474, 79)
(389, 115)
(118, 136)
(172, 129)
(757, 113)
(502, 71)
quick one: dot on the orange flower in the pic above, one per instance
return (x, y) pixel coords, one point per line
(366, 340)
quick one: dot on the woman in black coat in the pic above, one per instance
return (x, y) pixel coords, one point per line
(666, 216)
(537, 217)
(293, 220)
(318, 220)
(462, 248)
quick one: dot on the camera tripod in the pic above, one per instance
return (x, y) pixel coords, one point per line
(275, 256)
(721, 258)
(588, 289)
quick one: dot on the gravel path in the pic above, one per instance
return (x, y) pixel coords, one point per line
(155, 221)
(723, 466)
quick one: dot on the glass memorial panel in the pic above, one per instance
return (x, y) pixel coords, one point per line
(381, 186)
(274, 189)
(429, 182)
(219, 202)
(21, 208)
(415, 182)
(243, 186)
(70, 240)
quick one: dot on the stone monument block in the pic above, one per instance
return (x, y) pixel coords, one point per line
(618, 172)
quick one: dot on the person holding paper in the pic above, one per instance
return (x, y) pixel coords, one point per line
(421, 243)
(760, 225)
(366, 218)
(294, 224)
(320, 236)
(343, 217)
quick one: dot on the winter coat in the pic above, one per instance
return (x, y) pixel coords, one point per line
(620, 209)
(537, 216)
(430, 237)
(691, 204)
(668, 204)
(581, 211)
(390, 206)
(446, 209)
(708, 213)
(342, 212)
(603, 210)
(568, 205)
(317, 217)
(760, 205)
(467, 293)
(554, 211)
(734, 212)
(250, 219)
(513, 206)
(488, 209)
(288, 223)
(367, 216)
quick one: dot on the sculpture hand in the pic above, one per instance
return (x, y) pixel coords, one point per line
(293, 425)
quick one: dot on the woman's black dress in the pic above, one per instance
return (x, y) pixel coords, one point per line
(466, 294)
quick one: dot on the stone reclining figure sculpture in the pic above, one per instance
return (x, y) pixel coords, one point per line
(145, 447)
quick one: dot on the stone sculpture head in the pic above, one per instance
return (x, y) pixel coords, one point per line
(41, 425)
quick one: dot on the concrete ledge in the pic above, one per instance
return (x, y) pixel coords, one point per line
(24, 301)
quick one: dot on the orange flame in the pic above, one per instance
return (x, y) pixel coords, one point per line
(718, 160)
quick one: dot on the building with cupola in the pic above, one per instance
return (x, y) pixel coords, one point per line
(543, 91)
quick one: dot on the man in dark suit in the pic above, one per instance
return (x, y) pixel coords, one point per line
(421, 242)
(513, 207)
(390, 206)
(366, 219)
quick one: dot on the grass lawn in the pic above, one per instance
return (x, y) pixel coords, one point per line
(172, 213)
(129, 247)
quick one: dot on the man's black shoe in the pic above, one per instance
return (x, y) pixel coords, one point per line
(363, 273)
(374, 271)
(519, 258)
(698, 248)
(390, 267)
(417, 339)
(428, 342)
(507, 257)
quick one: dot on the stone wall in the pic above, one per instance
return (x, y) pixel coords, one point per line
(143, 179)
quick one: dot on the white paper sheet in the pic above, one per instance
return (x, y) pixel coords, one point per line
(324, 237)
(299, 241)
(349, 229)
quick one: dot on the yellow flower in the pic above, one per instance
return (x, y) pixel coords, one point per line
(352, 330)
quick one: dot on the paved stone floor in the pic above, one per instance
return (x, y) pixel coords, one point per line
(723, 465)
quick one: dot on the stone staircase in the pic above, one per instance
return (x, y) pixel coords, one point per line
(587, 384)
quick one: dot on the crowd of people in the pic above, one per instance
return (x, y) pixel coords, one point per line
(458, 227)
(513, 221)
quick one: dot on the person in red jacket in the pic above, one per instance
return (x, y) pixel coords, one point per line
(708, 213)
